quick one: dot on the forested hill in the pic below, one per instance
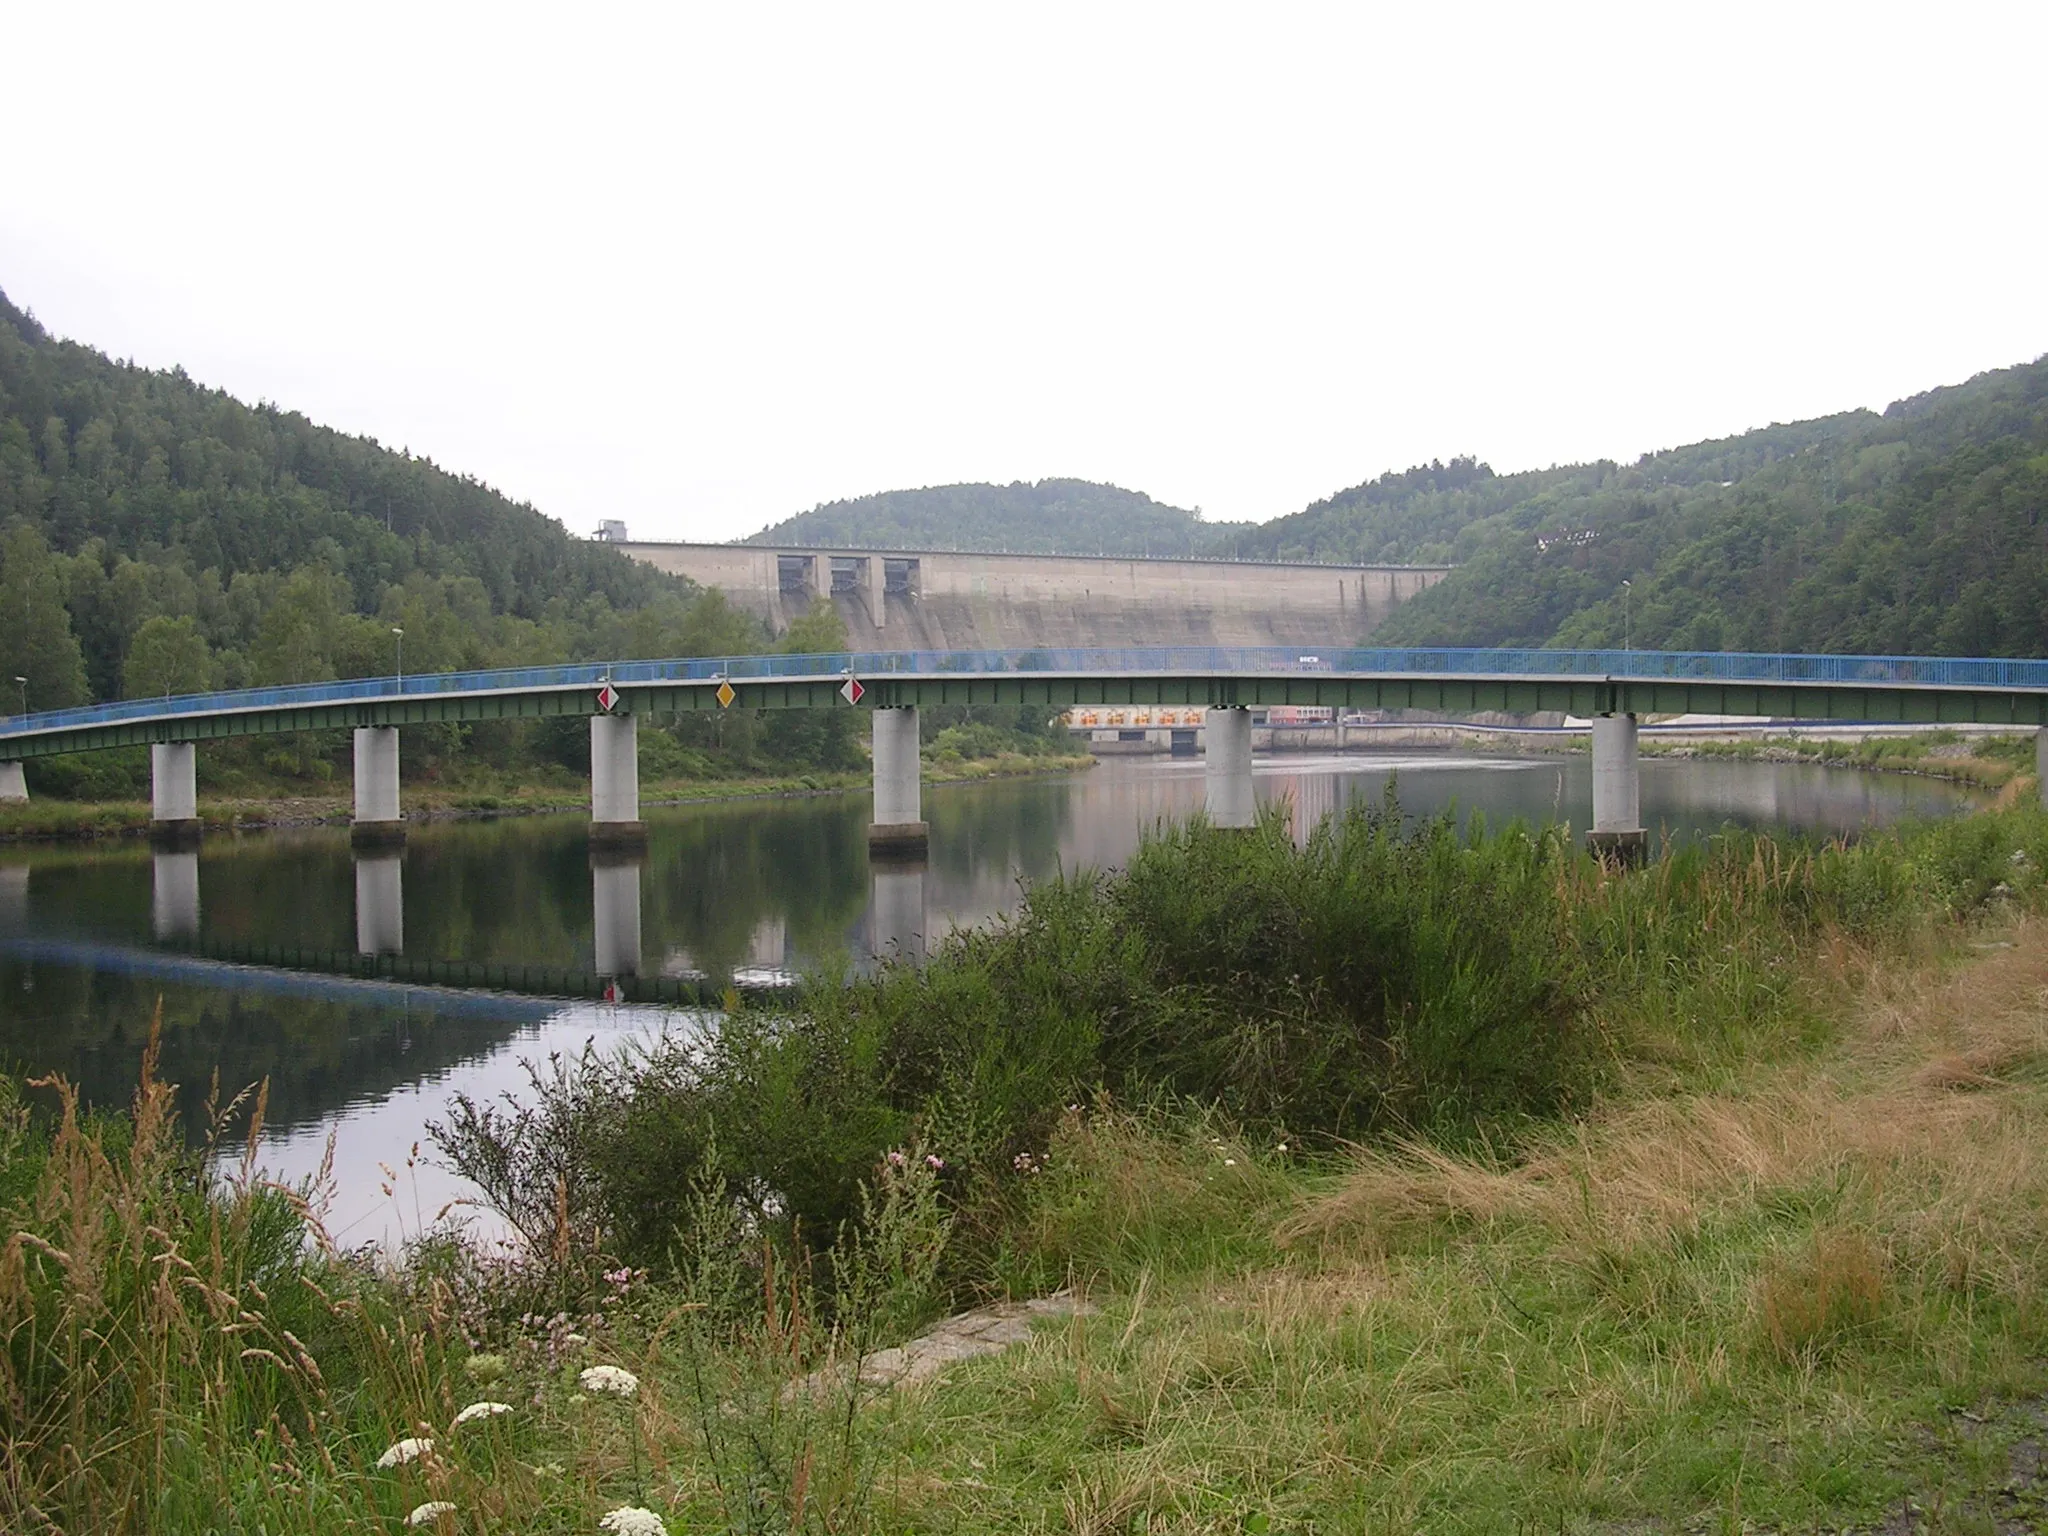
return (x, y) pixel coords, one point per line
(1921, 530)
(1054, 517)
(156, 535)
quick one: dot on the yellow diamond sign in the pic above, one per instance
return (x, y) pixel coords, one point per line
(725, 695)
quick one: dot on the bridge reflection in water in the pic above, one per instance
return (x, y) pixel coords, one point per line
(174, 895)
(380, 905)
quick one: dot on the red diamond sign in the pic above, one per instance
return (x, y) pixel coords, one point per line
(852, 691)
(607, 697)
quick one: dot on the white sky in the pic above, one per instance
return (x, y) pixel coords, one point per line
(704, 266)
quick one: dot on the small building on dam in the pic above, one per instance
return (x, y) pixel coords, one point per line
(902, 600)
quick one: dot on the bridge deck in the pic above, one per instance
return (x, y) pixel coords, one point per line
(1454, 681)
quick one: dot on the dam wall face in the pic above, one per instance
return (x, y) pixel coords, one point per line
(918, 601)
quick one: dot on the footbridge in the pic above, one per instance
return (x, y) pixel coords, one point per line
(1614, 687)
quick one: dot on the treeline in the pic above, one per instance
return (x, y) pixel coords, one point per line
(160, 537)
(1916, 531)
(1065, 517)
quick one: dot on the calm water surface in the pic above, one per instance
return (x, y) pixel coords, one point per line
(91, 937)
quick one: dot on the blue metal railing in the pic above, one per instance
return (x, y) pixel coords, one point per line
(1934, 672)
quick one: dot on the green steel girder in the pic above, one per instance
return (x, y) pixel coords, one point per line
(1454, 695)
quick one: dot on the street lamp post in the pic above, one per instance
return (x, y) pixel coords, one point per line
(24, 693)
(400, 663)
(1624, 617)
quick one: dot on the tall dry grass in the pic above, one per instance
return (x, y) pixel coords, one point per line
(1923, 1131)
(164, 1317)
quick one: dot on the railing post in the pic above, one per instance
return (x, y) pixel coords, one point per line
(899, 829)
(174, 794)
(378, 822)
(1617, 798)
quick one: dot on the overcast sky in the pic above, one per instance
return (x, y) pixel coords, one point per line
(702, 266)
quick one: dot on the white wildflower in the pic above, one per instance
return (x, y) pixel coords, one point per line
(408, 1449)
(1230, 1162)
(429, 1512)
(632, 1520)
(481, 1411)
(608, 1378)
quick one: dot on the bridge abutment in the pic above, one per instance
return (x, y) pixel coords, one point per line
(378, 822)
(2040, 764)
(13, 782)
(1617, 791)
(174, 793)
(615, 783)
(899, 829)
(1227, 745)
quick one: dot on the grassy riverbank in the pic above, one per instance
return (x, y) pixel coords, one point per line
(1987, 762)
(1421, 1182)
(485, 794)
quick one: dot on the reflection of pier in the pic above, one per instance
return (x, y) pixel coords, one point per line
(380, 905)
(174, 895)
(13, 897)
(615, 916)
(897, 924)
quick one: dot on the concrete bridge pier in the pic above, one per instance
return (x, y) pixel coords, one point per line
(615, 915)
(174, 894)
(378, 822)
(380, 904)
(1227, 745)
(13, 784)
(615, 783)
(174, 794)
(899, 829)
(2040, 766)
(1617, 791)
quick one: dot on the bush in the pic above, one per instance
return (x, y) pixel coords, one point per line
(1381, 975)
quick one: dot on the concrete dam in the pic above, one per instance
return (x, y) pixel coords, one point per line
(902, 600)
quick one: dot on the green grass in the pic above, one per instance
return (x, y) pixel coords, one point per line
(1987, 762)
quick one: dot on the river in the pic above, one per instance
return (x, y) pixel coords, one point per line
(747, 891)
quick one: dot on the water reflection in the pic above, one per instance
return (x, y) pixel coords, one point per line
(615, 916)
(380, 904)
(174, 896)
(13, 898)
(737, 892)
(896, 911)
